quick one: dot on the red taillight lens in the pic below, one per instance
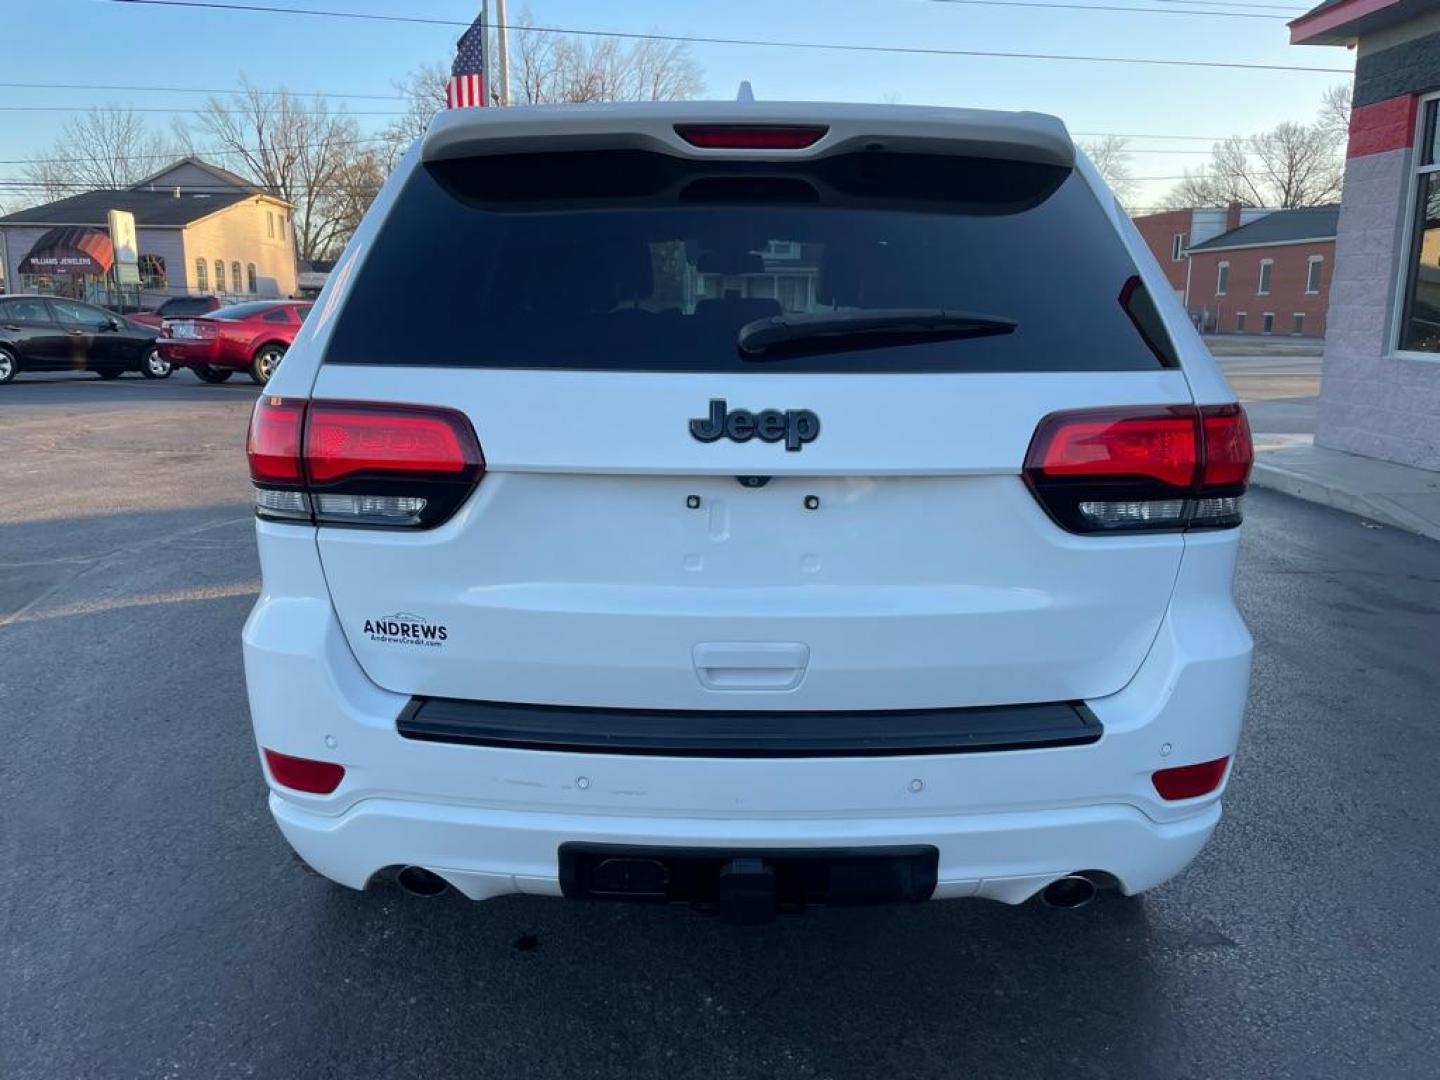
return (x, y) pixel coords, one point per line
(304, 774)
(1229, 452)
(1172, 467)
(1190, 781)
(361, 463)
(1118, 443)
(343, 439)
(751, 136)
(273, 443)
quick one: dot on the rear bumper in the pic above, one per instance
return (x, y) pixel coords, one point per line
(485, 852)
(491, 818)
(210, 352)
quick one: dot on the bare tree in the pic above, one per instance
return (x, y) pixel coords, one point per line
(546, 66)
(1334, 118)
(1110, 154)
(424, 92)
(297, 150)
(1298, 163)
(1291, 165)
(102, 148)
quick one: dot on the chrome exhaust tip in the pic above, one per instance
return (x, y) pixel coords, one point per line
(1071, 891)
(417, 881)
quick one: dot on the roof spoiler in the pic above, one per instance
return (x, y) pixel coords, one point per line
(532, 129)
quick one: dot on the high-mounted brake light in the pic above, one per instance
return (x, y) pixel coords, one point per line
(1190, 781)
(751, 136)
(1122, 469)
(304, 774)
(361, 463)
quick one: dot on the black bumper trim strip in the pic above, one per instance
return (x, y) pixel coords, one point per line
(755, 734)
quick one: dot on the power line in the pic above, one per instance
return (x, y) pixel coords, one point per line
(182, 152)
(907, 50)
(154, 109)
(1288, 8)
(198, 90)
(1112, 7)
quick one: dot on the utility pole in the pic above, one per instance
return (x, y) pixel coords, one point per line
(502, 67)
(485, 68)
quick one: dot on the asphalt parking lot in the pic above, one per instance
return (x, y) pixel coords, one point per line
(152, 923)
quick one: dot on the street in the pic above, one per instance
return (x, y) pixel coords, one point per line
(153, 923)
(1279, 394)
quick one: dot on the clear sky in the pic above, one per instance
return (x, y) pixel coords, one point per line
(97, 41)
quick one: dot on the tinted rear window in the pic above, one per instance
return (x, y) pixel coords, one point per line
(244, 311)
(185, 305)
(625, 260)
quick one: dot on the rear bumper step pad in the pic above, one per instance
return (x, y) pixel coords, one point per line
(690, 733)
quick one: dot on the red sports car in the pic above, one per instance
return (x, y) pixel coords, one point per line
(249, 337)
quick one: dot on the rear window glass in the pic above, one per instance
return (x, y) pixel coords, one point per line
(631, 261)
(244, 311)
(186, 305)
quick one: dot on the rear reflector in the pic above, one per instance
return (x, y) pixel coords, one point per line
(1141, 468)
(304, 774)
(1190, 781)
(361, 463)
(751, 137)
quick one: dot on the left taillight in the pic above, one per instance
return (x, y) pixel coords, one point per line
(1141, 468)
(361, 463)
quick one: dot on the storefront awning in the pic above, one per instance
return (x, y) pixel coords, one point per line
(73, 250)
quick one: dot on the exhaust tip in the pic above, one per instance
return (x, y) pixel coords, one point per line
(417, 881)
(1071, 891)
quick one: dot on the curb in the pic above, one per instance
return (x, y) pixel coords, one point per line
(1375, 508)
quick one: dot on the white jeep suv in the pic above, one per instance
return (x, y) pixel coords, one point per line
(748, 505)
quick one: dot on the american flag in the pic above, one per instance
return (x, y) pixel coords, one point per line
(466, 86)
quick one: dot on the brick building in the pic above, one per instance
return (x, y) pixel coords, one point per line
(1380, 387)
(1271, 276)
(1171, 233)
(1247, 270)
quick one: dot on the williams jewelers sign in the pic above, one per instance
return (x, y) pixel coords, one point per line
(70, 250)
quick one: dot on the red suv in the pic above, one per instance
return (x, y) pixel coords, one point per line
(248, 337)
(177, 307)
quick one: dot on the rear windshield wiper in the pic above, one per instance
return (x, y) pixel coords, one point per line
(876, 328)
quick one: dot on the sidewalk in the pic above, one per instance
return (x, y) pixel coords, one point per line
(1380, 491)
(1258, 345)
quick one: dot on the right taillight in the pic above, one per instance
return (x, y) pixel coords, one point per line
(361, 463)
(1142, 467)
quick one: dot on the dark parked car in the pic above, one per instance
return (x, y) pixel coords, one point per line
(177, 307)
(48, 333)
(249, 337)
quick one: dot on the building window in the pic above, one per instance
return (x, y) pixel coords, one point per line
(219, 276)
(1269, 327)
(1239, 322)
(235, 275)
(1267, 266)
(152, 272)
(1420, 319)
(270, 224)
(1312, 275)
(1177, 247)
(202, 279)
(1222, 279)
(250, 278)
(1299, 323)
